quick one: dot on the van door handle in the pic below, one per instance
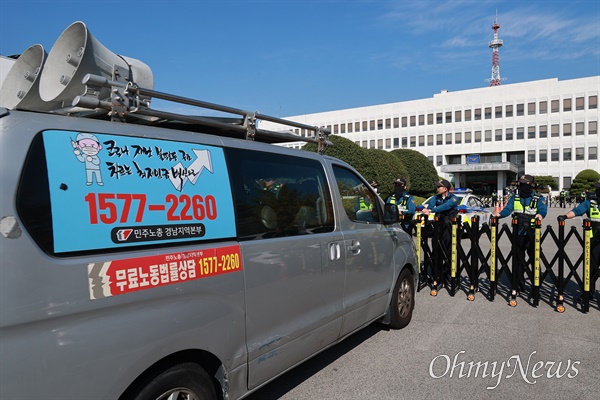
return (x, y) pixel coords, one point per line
(334, 251)
(354, 248)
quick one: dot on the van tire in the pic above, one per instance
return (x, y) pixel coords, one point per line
(187, 379)
(403, 300)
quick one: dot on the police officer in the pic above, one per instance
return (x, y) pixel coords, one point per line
(404, 201)
(527, 206)
(445, 205)
(563, 198)
(590, 207)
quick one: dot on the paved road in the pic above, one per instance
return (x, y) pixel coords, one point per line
(537, 353)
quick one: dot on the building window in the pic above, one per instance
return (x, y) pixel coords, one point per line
(438, 118)
(520, 133)
(438, 160)
(421, 120)
(448, 116)
(430, 158)
(365, 126)
(429, 140)
(566, 182)
(467, 115)
(396, 143)
(413, 120)
(579, 128)
(372, 144)
(488, 113)
(380, 144)
(357, 127)
(579, 154)
(439, 139)
(477, 136)
(421, 141)
(349, 127)
(567, 129)
(388, 143)
(554, 155)
(520, 110)
(335, 129)
(379, 124)
(554, 106)
(531, 156)
(478, 114)
(468, 137)
(592, 153)
(458, 137)
(498, 112)
(488, 135)
(404, 143)
(554, 130)
(413, 141)
(543, 131)
(543, 155)
(593, 102)
(448, 138)
(592, 127)
(566, 105)
(509, 111)
(567, 154)
(531, 132)
(543, 107)
(388, 123)
(372, 125)
(498, 135)
(396, 122)
(457, 116)
(343, 128)
(404, 122)
(579, 103)
(531, 109)
(429, 119)
(509, 134)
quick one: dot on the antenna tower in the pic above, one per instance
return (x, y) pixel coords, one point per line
(495, 45)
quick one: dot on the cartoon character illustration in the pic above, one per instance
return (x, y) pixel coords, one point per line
(86, 148)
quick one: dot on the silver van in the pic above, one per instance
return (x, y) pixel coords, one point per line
(151, 255)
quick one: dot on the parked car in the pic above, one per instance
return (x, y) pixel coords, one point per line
(469, 206)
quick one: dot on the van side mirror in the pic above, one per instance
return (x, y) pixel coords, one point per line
(391, 214)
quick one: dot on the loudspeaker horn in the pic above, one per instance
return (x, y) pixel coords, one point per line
(20, 87)
(77, 53)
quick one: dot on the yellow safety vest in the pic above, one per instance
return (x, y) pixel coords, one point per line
(530, 210)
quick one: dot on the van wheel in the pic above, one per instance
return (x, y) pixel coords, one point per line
(182, 382)
(403, 301)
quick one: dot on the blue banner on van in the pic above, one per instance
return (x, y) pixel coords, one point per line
(111, 191)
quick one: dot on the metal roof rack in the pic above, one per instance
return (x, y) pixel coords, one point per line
(130, 103)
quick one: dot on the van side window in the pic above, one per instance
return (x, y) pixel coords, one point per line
(358, 199)
(278, 195)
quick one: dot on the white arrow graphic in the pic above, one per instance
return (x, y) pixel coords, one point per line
(202, 161)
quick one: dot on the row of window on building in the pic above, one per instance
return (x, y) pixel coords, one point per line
(533, 156)
(476, 114)
(498, 135)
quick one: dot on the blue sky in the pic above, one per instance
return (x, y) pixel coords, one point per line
(291, 57)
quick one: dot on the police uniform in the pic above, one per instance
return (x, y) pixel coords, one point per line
(404, 201)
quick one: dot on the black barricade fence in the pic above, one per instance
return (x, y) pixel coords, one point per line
(465, 256)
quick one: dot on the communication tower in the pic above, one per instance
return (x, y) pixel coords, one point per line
(495, 45)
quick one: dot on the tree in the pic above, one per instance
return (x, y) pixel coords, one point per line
(544, 181)
(421, 172)
(584, 181)
(384, 168)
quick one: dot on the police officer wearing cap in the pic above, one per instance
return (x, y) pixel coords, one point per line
(527, 206)
(590, 207)
(404, 201)
(445, 205)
